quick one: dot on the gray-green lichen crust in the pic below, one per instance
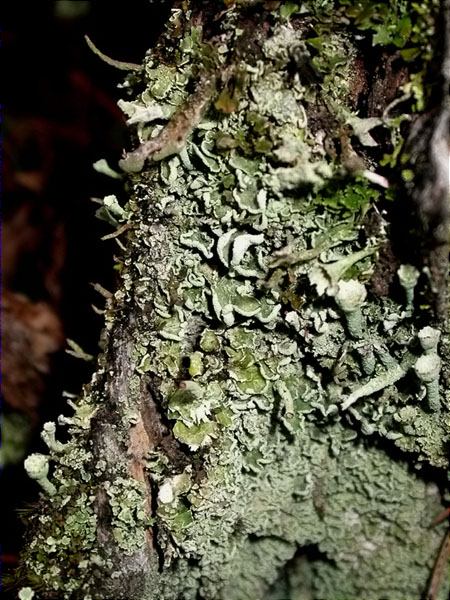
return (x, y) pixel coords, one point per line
(285, 381)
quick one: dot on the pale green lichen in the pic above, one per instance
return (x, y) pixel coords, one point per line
(241, 239)
(327, 277)
(429, 339)
(428, 368)
(173, 508)
(26, 593)
(368, 360)
(48, 435)
(350, 297)
(376, 384)
(37, 467)
(111, 211)
(102, 166)
(129, 521)
(408, 277)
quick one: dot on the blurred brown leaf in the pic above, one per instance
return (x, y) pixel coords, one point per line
(31, 332)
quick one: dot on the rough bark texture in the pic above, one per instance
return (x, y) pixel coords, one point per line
(266, 420)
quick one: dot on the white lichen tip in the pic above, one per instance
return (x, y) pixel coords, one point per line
(175, 486)
(428, 367)
(165, 493)
(350, 296)
(113, 205)
(242, 243)
(429, 339)
(25, 593)
(48, 435)
(224, 245)
(36, 465)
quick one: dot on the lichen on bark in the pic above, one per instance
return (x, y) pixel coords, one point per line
(255, 427)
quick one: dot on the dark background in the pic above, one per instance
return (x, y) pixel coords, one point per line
(59, 116)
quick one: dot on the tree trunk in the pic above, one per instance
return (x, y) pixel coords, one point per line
(269, 417)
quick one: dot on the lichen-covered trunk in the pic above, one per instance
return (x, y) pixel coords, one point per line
(268, 419)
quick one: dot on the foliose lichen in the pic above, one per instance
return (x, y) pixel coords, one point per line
(283, 378)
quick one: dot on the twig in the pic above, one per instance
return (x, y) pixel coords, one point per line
(439, 569)
(173, 137)
(118, 64)
(77, 351)
(101, 290)
(117, 232)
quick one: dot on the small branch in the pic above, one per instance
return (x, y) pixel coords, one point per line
(118, 231)
(440, 568)
(77, 351)
(173, 137)
(376, 384)
(102, 291)
(118, 64)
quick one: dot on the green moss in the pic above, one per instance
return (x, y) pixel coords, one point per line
(401, 23)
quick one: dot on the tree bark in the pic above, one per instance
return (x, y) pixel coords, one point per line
(268, 418)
